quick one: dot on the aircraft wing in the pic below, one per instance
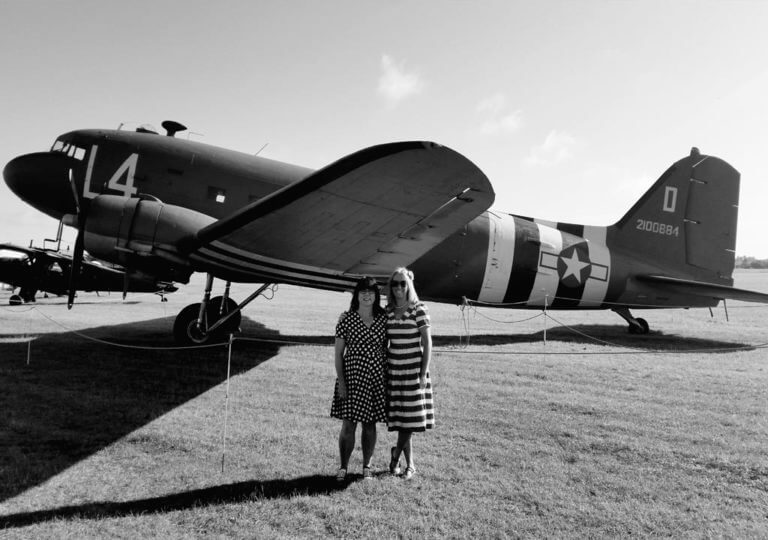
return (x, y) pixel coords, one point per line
(367, 213)
(701, 288)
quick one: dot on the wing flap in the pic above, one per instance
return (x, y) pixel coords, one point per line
(366, 213)
(701, 288)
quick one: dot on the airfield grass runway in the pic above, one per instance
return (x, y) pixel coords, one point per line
(591, 433)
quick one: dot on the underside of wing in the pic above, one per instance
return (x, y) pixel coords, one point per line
(700, 288)
(365, 214)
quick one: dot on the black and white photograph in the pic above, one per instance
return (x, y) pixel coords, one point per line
(383, 269)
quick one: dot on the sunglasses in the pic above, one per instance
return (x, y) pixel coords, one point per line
(402, 283)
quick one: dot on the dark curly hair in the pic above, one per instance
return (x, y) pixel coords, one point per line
(367, 283)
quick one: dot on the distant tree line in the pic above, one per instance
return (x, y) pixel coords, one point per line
(751, 262)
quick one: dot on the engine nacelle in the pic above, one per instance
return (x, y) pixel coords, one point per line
(142, 234)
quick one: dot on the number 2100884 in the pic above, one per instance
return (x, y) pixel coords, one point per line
(657, 228)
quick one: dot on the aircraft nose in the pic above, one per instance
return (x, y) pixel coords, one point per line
(42, 181)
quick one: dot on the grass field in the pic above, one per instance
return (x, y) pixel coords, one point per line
(546, 427)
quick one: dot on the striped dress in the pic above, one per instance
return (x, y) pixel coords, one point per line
(409, 407)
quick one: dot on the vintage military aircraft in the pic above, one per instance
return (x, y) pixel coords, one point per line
(37, 269)
(168, 207)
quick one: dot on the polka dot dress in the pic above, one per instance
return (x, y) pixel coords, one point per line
(364, 364)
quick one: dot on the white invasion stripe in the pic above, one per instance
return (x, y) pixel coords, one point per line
(596, 287)
(233, 263)
(546, 223)
(501, 252)
(256, 258)
(547, 279)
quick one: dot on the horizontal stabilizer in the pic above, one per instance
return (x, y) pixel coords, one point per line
(700, 288)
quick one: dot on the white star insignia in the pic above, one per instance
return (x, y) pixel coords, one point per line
(574, 266)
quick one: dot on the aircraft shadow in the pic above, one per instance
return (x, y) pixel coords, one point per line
(78, 396)
(601, 335)
(608, 335)
(223, 494)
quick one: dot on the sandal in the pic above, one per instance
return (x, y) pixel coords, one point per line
(394, 464)
(341, 475)
(409, 472)
(367, 473)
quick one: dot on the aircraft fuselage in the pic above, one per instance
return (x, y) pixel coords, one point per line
(496, 258)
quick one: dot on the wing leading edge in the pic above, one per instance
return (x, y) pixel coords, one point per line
(378, 208)
(700, 288)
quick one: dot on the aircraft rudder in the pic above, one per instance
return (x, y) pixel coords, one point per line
(686, 219)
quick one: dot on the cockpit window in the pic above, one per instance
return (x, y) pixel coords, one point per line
(67, 148)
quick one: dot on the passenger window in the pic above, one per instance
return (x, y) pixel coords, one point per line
(217, 194)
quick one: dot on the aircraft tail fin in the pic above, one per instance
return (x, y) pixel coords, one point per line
(687, 220)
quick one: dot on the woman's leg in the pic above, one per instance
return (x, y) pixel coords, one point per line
(404, 446)
(368, 440)
(346, 441)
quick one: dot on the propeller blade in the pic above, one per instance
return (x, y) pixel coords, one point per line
(77, 258)
(126, 282)
(75, 196)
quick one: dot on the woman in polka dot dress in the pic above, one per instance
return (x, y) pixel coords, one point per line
(409, 388)
(359, 395)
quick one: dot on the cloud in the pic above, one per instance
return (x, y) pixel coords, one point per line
(496, 116)
(397, 84)
(557, 147)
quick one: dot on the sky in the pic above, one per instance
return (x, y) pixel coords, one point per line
(571, 108)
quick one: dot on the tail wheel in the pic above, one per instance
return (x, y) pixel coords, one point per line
(643, 327)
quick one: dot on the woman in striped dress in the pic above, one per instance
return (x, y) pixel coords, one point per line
(409, 390)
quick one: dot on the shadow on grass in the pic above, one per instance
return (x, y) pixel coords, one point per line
(56, 302)
(609, 335)
(601, 335)
(229, 493)
(77, 396)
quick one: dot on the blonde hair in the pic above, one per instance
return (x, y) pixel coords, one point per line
(411, 297)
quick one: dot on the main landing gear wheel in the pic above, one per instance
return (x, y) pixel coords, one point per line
(186, 331)
(15, 300)
(215, 313)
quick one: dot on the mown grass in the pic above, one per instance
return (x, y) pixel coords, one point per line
(576, 438)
